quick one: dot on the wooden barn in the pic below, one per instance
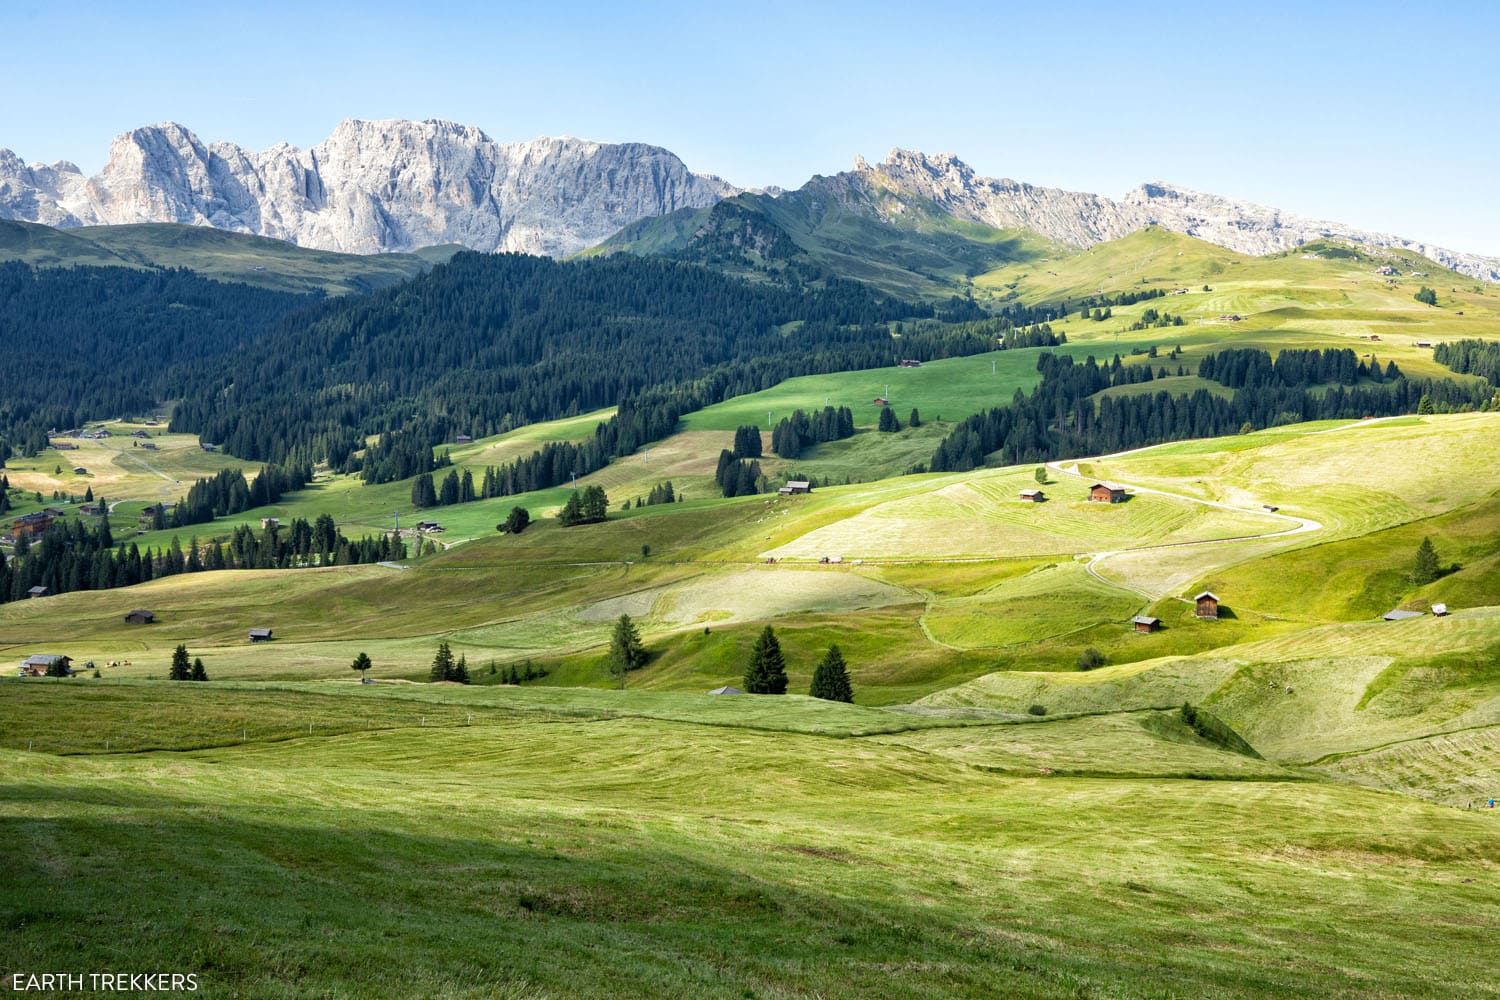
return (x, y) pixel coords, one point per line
(140, 616)
(1206, 605)
(32, 525)
(1033, 495)
(38, 592)
(795, 486)
(260, 635)
(36, 666)
(1107, 493)
(1145, 623)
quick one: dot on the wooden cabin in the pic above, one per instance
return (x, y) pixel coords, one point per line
(36, 665)
(140, 616)
(260, 635)
(795, 486)
(1107, 493)
(1033, 495)
(1206, 605)
(1145, 623)
(32, 525)
(38, 592)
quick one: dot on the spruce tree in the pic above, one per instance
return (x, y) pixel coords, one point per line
(1425, 569)
(831, 678)
(199, 674)
(766, 673)
(362, 664)
(888, 421)
(626, 651)
(461, 670)
(442, 664)
(182, 668)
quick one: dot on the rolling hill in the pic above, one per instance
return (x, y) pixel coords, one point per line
(214, 253)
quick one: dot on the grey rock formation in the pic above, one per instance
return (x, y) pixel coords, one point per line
(369, 187)
(1081, 220)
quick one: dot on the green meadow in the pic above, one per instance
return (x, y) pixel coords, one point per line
(1017, 803)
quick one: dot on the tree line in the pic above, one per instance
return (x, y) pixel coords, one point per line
(1252, 368)
(1061, 419)
(73, 556)
(1471, 357)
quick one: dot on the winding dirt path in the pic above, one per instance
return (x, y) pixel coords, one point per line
(1298, 525)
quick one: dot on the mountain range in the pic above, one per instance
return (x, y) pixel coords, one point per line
(396, 186)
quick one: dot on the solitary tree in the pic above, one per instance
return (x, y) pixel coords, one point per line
(626, 651)
(831, 679)
(1090, 659)
(362, 664)
(888, 421)
(915, 420)
(1426, 296)
(766, 673)
(1041, 475)
(182, 667)
(460, 670)
(1425, 569)
(442, 664)
(516, 521)
(199, 674)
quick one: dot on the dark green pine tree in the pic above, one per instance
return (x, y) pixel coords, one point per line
(442, 664)
(461, 670)
(182, 667)
(888, 421)
(626, 651)
(915, 420)
(199, 674)
(572, 511)
(766, 673)
(1425, 568)
(362, 664)
(831, 678)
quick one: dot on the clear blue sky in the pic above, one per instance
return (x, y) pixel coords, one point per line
(1384, 115)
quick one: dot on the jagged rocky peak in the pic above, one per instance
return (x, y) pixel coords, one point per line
(371, 186)
(1080, 219)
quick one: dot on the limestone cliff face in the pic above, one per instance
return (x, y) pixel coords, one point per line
(376, 186)
(369, 187)
(1080, 220)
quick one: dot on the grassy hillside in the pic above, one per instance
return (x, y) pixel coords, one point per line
(935, 861)
(214, 253)
(903, 245)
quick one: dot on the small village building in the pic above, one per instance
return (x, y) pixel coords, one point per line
(463, 439)
(38, 592)
(881, 401)
(149, 446)
(80, 471)
(140, 434)
(148, 516)
(795, 486)
(1145, 623)
(140, 616)
(33, 524)
(63, 445)
(429, 526)
(91, 509)
(1206, 605)
(1033, 495)
(909, 363)
(260, 635)
(726, 689)
(37, 664)
(1424, 343)
(206, 446)
(1107, 493)
(1397, 615)
(1440, 610)
(267, 523)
